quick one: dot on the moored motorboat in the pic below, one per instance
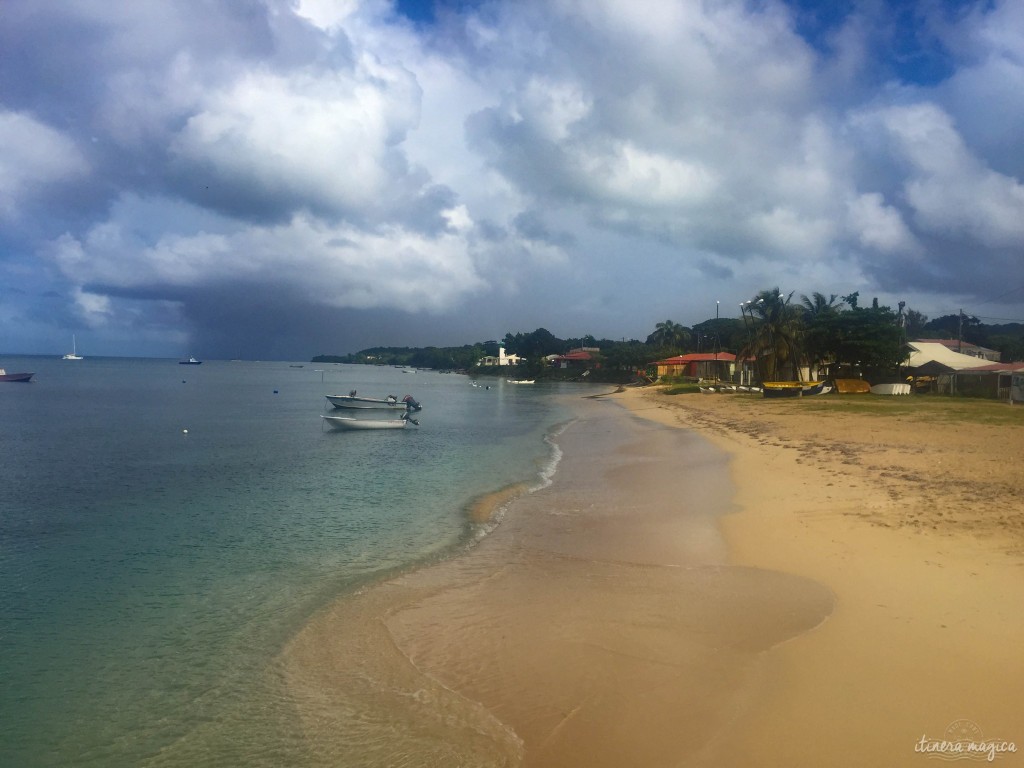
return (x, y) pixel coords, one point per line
(352, 423)
(352, 400)
(190, 361)
(5, 376)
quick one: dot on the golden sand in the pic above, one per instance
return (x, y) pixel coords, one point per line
(915, 520)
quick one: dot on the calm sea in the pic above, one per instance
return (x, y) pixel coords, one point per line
(166, 529)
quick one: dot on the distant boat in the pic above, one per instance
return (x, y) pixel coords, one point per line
(352, 400)
(521, 381)
(5, 376)
(351, 423)
(190, 361)
(73, 354)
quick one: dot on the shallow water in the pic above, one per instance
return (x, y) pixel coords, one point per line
(152, 575)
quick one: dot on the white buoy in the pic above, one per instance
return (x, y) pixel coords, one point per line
(184, 431)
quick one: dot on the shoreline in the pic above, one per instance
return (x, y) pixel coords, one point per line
(927, 628)
(599, 624)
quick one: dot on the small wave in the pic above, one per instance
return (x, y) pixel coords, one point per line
(548, 469)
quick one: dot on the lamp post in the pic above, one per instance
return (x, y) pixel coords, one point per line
(717, 342)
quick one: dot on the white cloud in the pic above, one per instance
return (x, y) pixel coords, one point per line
(321, 137)
(949, 189)
(880, 227)
(333, 265)
(34, 156)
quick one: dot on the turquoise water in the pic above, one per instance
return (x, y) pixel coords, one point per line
(165, 529)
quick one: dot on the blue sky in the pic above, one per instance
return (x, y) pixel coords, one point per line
(283, 178)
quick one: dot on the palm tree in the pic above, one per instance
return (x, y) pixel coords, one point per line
(669, 334)
(817, 337)
(776, 335)
(818, 305)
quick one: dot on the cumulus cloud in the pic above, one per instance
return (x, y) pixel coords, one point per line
(34, 158)
(515, 154)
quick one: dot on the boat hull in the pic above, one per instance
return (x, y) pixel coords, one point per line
(852, 386)
(372, 403)
(890, 389)
(16, 376)
(348, 423)
(783, 389)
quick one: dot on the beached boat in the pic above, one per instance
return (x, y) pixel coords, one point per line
(521, 381)
(352, 423)
(890, 389)
(852, 386)
(5, 376)
(783, 389)
(73, 354)
(190, 361)
(392, 403)
(815, 388)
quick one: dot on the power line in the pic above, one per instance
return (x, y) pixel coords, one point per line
(1002, 295)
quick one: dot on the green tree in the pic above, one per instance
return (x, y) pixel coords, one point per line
(776, 329)
(818, 321)
(669, 334)
(870, 339)
(914, 323)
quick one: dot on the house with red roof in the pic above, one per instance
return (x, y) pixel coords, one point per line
(583, 357)
(699, 365)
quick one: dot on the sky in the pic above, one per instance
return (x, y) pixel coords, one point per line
(276, 179)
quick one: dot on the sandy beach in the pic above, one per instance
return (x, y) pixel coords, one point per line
(708, 581)
(915, 521)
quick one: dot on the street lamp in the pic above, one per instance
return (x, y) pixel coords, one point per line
(717, 341)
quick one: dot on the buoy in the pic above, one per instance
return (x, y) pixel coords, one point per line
(275, 391)
(184, 431)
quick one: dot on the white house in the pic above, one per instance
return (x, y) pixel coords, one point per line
(501, 359)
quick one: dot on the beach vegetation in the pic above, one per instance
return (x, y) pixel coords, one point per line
(671, 335)
(925, 408)
(776, 333)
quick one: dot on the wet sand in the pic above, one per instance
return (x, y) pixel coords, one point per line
(915, 521)
(604, 622)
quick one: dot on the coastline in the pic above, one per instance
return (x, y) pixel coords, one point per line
(916, 528)
(600, 624)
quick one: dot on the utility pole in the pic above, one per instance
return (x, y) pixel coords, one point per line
(960, 332)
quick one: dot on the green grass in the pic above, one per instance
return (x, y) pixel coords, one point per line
(935, 408)
(930, 408)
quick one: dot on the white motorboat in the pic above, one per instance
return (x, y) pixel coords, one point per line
(352, 423)
(5, 376)
(352, 400)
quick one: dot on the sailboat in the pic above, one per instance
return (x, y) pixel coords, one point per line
(73, 354)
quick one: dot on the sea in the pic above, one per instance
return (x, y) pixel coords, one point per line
(167, 529)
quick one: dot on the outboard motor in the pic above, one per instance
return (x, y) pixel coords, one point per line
(411, 404)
